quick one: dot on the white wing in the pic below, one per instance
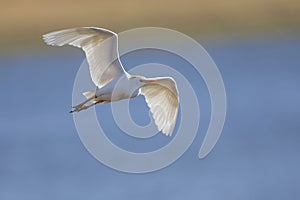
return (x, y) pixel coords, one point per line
(100, 47)
(161, 96)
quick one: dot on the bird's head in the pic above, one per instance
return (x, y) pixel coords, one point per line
(141, 80)
(136, 79)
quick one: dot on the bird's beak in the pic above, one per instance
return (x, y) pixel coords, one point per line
(148, 80)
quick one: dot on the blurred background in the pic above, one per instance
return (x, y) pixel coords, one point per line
(256, 46)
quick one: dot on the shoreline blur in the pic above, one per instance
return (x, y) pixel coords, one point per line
(23, 22)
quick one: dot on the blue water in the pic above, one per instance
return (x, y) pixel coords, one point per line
(257, 156)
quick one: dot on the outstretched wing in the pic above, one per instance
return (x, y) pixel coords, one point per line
(162, 98)
(101, 49)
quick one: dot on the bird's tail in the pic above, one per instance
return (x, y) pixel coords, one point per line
(89, 94)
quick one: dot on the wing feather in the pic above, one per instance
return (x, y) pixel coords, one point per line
(101, 49)
(161, 96)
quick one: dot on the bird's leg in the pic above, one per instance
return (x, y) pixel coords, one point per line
(82, 106)
(86, 107)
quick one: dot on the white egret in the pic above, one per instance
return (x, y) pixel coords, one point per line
(101, 50)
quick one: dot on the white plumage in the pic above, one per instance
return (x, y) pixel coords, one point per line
(106, 70)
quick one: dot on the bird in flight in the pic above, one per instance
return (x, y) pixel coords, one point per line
(112, 81)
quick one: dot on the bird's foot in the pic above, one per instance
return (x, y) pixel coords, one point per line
(83, 106)
(78, 108)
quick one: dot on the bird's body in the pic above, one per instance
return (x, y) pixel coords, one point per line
(118, 89)
(112, 81)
